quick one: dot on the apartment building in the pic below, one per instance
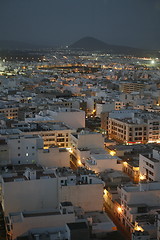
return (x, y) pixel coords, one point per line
(53, 157)
(105, 106)
(132, 127)
(131, 168)
(48, 187)
(138, 204)
(53, 133)
(149, 165)
(74, 118)
(129, 87)
(82, 142)
(22, 223)
(84, 189)
(18, 148)
(24, 182)
(99, 162)
(9, 111)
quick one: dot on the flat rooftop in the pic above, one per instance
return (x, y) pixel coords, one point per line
(15, 173)
(64, 171)
(103, 156)
(41, 214)
(98, 217)
(151, 158)
(77, 225)
(47, 126)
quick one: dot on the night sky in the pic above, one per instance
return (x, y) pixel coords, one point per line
(122, 22)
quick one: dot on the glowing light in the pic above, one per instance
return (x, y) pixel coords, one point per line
(112, 153)
(46, 148)
(119, 209)
(138, 228)
(125, 164)
(105, 192)
(79, 163)
(142, 177)
(70, 150)
(152, 62)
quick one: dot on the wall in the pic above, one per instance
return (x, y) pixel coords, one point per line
(46, 221)
(53, 157)
(23, 150)
(90, 141)
(87, 196)
(29, 195)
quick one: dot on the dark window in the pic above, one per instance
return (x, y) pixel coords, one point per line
(142, 209)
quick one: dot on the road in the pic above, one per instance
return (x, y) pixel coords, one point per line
(2, 225)
(117, 222)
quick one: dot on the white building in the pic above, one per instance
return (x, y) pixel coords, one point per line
(83, 142)
(53, 133)
(149, 165)
(103, 161)
(74, 118)
(108, 107)
(19, 149)
(28, 189)
(101, 223)
(23, 149)
(21, 223)
(48, 187)
(84, 190)
(138, 202)
(53, 157)
(134, 126)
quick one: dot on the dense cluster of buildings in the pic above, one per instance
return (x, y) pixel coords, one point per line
(59, 178)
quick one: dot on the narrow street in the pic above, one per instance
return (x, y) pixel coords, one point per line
(125, 234)
(73, 162)
(116, 221)
(2, 225)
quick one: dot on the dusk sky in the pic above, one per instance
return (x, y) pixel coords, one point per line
(122, 22)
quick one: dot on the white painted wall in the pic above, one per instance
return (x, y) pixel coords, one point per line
(90, 140)
(87, 196)
(23, 149)
(29, 195)
(75, 119)
(103, 163)
(28, 223)
(53, 157)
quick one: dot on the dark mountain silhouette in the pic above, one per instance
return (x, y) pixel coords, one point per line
(90, 43)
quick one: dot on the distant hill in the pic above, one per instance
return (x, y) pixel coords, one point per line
(90, 43)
